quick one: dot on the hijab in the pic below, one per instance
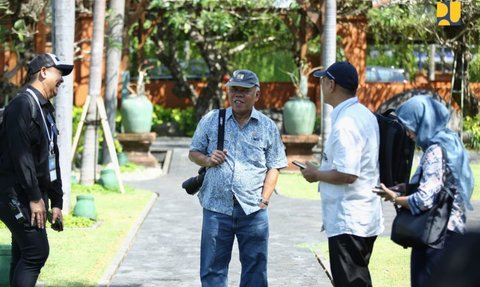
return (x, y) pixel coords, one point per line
(428, 119)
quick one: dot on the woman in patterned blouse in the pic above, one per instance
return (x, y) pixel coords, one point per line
(426, 121)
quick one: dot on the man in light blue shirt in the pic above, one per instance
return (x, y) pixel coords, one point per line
(352, 213)
(238, 184)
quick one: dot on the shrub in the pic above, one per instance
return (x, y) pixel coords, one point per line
(184, 118)
(472, 126)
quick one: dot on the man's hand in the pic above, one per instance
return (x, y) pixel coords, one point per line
(217, 157)
(310, 172)
(57, 219)
(39, 213)
(56, 215)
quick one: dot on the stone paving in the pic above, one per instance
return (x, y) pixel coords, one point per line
(165, 251)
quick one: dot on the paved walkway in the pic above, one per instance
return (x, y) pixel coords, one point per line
(166, 249)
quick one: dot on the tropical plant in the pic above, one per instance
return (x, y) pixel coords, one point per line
(303, 20)
(471, 127)
(299, 79)
(474, 67)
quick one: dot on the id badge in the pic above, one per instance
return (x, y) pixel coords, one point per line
(52, 167)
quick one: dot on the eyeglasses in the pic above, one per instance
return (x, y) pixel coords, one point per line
(240, 90)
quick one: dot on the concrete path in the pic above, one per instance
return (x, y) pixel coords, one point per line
(166, 249)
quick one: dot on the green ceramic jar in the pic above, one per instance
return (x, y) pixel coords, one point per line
(136, 114)
(85, 207)
(299, 116)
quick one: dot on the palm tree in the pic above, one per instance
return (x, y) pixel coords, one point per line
(329, 47)
(114, 53)
(63, 39)
(87, 170)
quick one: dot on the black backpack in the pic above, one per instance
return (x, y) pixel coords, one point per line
(33, 106)
(396, 150)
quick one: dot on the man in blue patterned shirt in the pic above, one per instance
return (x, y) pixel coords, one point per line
(238, 184)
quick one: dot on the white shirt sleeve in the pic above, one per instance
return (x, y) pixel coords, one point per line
(348, 144)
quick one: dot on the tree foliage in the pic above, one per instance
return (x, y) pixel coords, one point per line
(175, 31)
(18, 25)
(415, 22)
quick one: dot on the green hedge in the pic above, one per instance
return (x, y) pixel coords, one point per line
(185, 118)
(472, 126)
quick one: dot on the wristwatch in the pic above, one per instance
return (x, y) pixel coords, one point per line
(264, 201)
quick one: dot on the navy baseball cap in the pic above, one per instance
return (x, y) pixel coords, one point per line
(243, 78)
(343, 73)
(48, 60)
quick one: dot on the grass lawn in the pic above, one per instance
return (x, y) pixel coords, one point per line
(79, 256)
(389, 265)
(294, 185)
(476, 176)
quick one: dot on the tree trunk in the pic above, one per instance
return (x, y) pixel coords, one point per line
(63, 39)
(94, 88)
(211, 96)
(114, 54)
(329, 48)
(431, 63)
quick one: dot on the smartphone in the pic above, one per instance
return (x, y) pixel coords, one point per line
(378, 190)
(58, 225)
(299, 164)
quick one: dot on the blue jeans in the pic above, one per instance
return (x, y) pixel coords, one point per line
(218, 233)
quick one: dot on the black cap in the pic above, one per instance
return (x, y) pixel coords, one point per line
(244, 78)
(343, 73)
(48, 60)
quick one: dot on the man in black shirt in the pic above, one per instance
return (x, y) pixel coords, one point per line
(29, 168)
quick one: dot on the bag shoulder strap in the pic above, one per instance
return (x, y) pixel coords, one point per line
(33, 106)
(31, 101)
(444, 179)
(221, 129)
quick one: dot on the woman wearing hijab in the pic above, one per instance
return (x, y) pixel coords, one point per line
(426, 122)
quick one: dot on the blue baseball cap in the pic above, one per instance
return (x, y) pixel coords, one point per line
(343, 73)
(243, 78)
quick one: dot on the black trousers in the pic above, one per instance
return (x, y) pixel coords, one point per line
(349, 258)
(29, 249)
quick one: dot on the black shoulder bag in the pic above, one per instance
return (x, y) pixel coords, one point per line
(429, 227)
(193, 184)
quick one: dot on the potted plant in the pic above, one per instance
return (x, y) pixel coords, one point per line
(299, 112)
(136, 108)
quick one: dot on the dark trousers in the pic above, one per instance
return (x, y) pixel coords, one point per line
(349, 258)
(425, 260)
(29, 249)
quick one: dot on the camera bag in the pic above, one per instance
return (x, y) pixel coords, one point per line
(197, 180)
